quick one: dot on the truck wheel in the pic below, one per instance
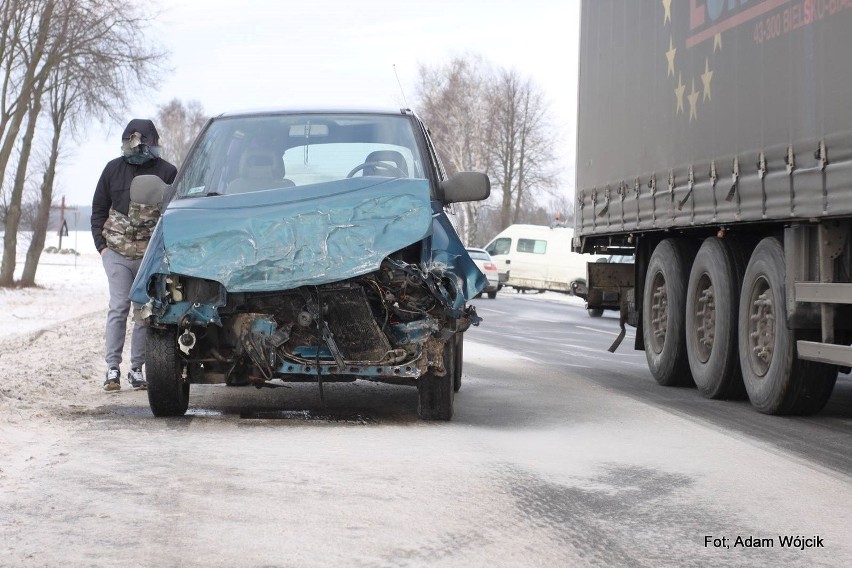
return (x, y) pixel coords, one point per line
(436, 393)
(595, 312)
(459, 363)
(663, 313)
(168, 392)
(492, 295)
(712, 300)
(776, 380)
(818, 382)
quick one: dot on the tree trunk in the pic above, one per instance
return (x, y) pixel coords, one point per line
(13, 218)
(32, 88)
(37, 242)
(13, 213)
(43, 217)
(472, 234)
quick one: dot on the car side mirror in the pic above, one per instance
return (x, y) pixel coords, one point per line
(466, 186)
(148, 190)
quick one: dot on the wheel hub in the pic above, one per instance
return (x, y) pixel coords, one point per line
(705, 318)
(659, 313)
(761, 327)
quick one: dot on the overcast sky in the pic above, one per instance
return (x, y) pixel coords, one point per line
(272, 54)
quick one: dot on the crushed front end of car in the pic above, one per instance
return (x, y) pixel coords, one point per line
(361, 277)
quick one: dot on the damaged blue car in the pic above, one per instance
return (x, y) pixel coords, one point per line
(307, 246)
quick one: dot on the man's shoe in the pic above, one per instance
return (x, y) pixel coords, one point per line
(112, 382)
(137, 381)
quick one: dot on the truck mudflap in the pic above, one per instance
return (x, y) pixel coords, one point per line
(611, 286)
(627, 315)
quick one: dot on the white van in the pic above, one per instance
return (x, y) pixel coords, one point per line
(537, 257)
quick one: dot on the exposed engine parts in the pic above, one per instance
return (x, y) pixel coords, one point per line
(390, 322)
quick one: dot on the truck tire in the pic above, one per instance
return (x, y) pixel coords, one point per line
(776, 380)
(459, 361)
(817, 380)
(436, 393)
(595, 312)
(492, 295)
(168, 392)
(663, 313)
(712, 301)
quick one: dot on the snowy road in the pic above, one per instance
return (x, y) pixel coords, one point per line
(559, 455)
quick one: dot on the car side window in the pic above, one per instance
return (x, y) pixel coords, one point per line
(500, 246)
(532, 245)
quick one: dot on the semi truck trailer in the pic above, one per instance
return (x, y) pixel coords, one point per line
(715, 143)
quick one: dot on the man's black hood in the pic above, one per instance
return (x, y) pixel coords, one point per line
(144, 127)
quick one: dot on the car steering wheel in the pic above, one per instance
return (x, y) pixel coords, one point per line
(379, 166)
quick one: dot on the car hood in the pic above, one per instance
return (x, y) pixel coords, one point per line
(282, 239)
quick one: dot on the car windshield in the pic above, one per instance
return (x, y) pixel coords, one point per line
(254, 153)
(478, 255)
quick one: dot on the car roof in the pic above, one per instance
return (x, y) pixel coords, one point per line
(315, 110)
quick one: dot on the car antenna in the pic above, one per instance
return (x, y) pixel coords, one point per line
(401, 90)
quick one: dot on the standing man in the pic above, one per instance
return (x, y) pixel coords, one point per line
(121, 230)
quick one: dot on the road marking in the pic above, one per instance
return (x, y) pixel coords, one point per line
(562, 364)
(596, 329)
(491, 310)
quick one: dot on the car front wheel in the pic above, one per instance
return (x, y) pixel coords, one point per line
(436, 393)
(459, 361)
(168, 389)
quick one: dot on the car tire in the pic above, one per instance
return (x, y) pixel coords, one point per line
(663, 313)
(777, 381)
(712, 303)
(436, 393)
(459, 361)
(595, 312)
(168, 392)
(492, 295)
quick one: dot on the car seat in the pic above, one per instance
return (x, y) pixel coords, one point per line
(259, 169)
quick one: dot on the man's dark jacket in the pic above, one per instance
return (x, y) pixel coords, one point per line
(113, 189)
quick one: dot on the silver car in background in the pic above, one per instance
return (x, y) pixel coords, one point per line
(487, 266)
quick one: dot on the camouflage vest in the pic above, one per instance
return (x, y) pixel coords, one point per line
(128, 235)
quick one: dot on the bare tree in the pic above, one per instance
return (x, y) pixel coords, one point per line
(60, 101)
(562, 210)
(453, 103)
(522, 145)
(178, 124)
(494, 122)
(27, 51)
(76, 53)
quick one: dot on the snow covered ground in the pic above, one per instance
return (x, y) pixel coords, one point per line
(68, 286)
(62, 316)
